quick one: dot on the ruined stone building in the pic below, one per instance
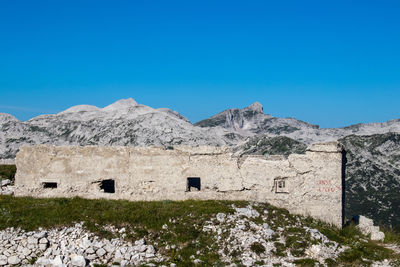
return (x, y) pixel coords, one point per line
(308, 184)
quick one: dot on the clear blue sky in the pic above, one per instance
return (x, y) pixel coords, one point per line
(331, 63)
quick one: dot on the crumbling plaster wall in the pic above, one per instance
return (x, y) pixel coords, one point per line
(313, 181)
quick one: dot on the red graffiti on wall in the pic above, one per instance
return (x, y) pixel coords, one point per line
(327, 187)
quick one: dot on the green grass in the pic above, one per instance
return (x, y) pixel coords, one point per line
(391, 235)
(362, 253)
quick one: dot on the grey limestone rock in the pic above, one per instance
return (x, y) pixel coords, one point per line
(3, 260)
(32, 240)
(101, 252)
(14, 260)
(78, 260)
(221, 217)
(5, 182)
(367, 227)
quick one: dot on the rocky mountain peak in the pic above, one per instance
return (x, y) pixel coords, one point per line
(121, 104)
(79, 108)
(256, 106)
(4, 117)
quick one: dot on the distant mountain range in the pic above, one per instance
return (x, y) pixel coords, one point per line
(127, 123)
(373, 171)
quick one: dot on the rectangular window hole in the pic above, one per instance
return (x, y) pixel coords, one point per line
(50, 185)
(107, 186)
(280, 185)
(193, 184)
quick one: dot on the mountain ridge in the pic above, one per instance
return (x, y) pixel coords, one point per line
(125, 122)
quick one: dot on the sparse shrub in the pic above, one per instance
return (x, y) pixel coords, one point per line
(365, 250)
(305, 262)
(391, 236)
(8, 172)
(32, 260)
(280, 249)
(331, 262)
(257, 248)
(236, 253)
(350, 231)
(332, 235)
(274, 237)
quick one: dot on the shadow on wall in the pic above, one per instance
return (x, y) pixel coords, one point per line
(344, 162)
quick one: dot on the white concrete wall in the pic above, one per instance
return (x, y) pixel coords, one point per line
(313, 180)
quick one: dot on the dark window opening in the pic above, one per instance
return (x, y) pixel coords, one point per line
(108, 186)
(280, 186)
(193, 184)
(49, 185)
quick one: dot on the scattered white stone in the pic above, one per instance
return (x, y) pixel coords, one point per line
(3, 260)
(43, 240)
(32, 240)
(197, 261)
(5, 182)
(109, 248)
(57, 262)
(140, 242)
(248, 212)
(100, 252)
(238, 232)
(42, 246)
(14, 260)
(221, 217)
(40, 234)
(71, 246)
(90, 251)
(43, 261)
(150, 249)
(367, 227)
(78, 260)
(384, 263)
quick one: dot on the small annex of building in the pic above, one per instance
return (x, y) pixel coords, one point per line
(308, 184)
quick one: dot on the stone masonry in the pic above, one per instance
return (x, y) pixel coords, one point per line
(307, 184)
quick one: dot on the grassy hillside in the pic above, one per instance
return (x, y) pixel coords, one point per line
(181, 225)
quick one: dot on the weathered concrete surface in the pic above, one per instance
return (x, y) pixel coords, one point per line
(312, 181)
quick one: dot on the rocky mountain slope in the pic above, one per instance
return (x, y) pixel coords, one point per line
(123, 123)
(252, 121)
(264, 145)
(373, 177)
